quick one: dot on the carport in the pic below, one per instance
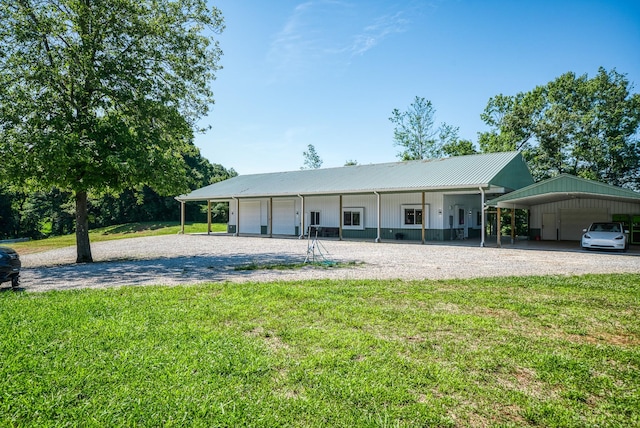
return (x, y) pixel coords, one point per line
(561, 207)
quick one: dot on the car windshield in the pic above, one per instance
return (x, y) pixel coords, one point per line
(605, 227)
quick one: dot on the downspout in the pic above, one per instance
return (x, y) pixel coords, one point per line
(237, 216)
(301, 217)
(484, 214)
(378, 238)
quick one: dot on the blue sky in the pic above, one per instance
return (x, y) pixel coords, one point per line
(329, 72)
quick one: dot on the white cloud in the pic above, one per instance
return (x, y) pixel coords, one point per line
(324, 33)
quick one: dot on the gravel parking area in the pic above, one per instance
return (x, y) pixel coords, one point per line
(190, 259)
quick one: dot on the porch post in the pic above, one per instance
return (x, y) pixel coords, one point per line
(423, 225)
(378, 238)
(340, 220)
(209, 217)
(270, 222)
(237, 217)
(482, 220)
(182, 214)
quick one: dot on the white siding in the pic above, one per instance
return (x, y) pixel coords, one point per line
(328, 206)
(612, 207)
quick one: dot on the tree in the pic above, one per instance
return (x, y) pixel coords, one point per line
(311, 158)
(416, 134)
(573, 124)
(101, 96)
(459, 148)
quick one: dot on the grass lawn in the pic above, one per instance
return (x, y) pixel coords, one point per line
(539, 351)
(110, 233)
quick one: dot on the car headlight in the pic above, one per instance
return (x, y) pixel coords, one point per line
(587, 236)
(619, 237)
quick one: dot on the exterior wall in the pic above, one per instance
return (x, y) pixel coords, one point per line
(599, 207)
(438, 208)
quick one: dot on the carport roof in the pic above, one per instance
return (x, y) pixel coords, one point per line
(563, 187)
(505, 170)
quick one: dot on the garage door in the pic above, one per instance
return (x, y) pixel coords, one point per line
(573, 221)
(249, 217)
(284, 217)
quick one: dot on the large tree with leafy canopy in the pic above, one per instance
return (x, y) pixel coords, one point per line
(574, 124)
(99, 95)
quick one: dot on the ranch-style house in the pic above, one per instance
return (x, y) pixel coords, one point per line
(422, 200)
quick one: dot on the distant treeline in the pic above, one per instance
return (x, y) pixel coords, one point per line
(40, 214)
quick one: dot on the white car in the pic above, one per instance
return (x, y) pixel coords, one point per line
(605, 236)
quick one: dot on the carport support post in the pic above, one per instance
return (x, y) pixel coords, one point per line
(513, 225)
(209, 217)
(182, 214)
(499, 227)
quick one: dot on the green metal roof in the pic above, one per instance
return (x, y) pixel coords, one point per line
(563, 187)
(494, 170)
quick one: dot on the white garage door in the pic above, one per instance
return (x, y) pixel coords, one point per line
(573, 221)
(249, 217)
(284, 217)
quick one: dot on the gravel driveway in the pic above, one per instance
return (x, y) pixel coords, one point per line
(189, 259)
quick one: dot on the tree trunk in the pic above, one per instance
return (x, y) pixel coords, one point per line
(82, 229)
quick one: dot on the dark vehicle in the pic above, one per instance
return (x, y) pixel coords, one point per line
(9, 266)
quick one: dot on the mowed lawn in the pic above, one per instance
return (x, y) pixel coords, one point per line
(542, 351)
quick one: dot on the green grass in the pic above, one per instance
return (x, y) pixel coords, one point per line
(110, 233)
(541, 351)
(291, 266)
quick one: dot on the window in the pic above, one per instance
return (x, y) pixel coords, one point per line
(412, 216)
(461, 216)
(314, 218)
(352, 218)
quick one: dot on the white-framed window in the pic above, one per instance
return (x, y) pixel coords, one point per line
(314, 218)
(412, 216)
(353, 218)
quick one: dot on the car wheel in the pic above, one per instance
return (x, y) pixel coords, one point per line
(15, 282)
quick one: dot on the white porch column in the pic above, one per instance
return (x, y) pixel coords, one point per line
(378, 238)
(182, 215)
(484, 214)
